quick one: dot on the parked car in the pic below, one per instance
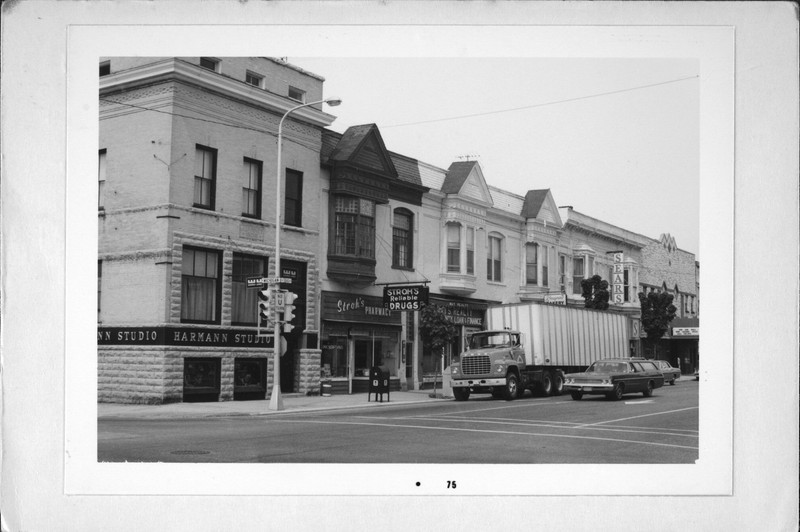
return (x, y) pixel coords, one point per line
(614, 377)
(670, 374)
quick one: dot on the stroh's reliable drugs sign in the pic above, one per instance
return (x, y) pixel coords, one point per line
(405, 297)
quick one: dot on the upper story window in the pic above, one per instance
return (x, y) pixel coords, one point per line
(101, 179)
(256, 80)
(453, 247)
(562, 271)
(297, 94)
(205, 172)
(402, 243)
(105, 68)
(210, 63)
(243, 300)
(293, 200)
(354, 227)
(494, 258)
(251, 188)
(532, 264)
(544, 259)
(200, 286)
(582, 267)
(470, 250)
(578, 269)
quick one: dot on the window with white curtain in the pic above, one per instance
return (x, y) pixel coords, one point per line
(200, 286)
(244, 301)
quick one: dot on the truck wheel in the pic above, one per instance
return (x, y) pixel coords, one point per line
(619, 391)
(547, 384)
(576, 395)
(558, 384)
(511, 391)
(461, 394)
(648, 392)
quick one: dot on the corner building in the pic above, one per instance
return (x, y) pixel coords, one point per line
(186, 209)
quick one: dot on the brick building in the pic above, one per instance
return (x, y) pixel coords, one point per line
(186, 168)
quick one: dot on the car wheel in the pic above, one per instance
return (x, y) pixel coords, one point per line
(577, 396)
(511, 391)
(648, 392)
(461, 394)
(617, 393)
(558, 384)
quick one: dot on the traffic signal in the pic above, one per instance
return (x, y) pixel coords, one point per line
(265, 312)
(288, 311)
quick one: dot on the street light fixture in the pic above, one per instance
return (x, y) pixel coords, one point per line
(276, 401)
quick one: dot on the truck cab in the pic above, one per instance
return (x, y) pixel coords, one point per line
(494, 362)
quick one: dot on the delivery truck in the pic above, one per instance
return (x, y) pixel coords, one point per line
(532, 345)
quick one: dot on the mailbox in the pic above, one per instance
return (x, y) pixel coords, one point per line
(378, 383)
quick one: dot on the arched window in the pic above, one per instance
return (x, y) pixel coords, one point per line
(402, 239)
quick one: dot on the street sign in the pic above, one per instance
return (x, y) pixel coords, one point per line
(255, 282)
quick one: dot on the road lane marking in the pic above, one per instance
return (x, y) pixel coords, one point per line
(544, 424)
(642, 415)
(515, 405)
(455, 429)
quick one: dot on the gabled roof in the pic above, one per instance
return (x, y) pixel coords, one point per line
(457, 174)
(540, 205)
(466, 179)
(363, 146)
(533, 202)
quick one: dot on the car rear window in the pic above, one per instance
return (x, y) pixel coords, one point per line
(649, 366)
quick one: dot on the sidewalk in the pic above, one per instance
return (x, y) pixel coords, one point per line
(291, 403)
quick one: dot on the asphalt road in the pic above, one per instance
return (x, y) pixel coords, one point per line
(536, 430)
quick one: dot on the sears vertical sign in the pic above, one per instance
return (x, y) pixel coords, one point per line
(405, 298)
(618, 281)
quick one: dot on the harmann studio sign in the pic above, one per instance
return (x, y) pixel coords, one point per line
(181, 336)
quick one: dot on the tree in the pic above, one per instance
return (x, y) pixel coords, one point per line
(657, 313)
(435, 328)
(595, 292)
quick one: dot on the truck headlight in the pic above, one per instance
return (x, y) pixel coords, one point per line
(500, 368)
(454, 370)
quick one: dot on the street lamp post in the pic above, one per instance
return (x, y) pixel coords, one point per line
(276, 401)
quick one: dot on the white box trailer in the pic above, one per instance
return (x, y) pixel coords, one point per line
(532, 345)
(556, 335)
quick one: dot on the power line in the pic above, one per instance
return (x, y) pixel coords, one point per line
(555, 102)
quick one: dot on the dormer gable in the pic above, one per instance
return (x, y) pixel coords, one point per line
(465, 178)
(362, 147)
(540, 205)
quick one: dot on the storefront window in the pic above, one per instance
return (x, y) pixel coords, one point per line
(334, 357)
(249, 378)
(201, 379)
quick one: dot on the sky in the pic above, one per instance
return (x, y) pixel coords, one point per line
(617, 139)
